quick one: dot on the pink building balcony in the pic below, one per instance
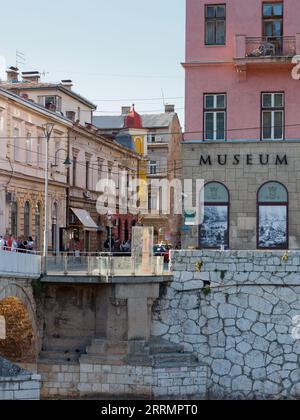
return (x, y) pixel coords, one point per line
(266, 50)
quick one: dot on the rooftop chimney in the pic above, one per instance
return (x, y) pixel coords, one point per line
(169, 109)
(67, 83)
(126, 110)
(12, 74)
(31, 76)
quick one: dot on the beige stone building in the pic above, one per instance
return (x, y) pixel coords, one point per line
(22, 169)
(95, 158)
(92, 158)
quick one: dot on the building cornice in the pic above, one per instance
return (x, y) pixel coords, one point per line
(192, 64)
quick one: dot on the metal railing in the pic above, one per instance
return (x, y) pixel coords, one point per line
(270, 47)
(105, 265)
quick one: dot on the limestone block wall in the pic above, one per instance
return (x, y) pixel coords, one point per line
(18, 384)
(23, 387)
(86, 380)
(240, 313)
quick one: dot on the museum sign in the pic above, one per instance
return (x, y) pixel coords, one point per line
(249, 159)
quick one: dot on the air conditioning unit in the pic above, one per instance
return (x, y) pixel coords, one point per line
(87, 194)
(11, 197)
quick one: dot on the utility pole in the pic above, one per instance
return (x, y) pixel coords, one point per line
(48, 129)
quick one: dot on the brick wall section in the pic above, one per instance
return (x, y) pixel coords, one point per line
(180, 383)
(241, 316)
(117, 381)
(59, 380)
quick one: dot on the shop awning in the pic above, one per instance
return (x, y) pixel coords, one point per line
(86, 220)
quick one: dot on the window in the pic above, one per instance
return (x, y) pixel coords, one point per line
(55, 229)
(28, 148)
(52, 102)
(14, 219)
(273, 116)
(109, 171)
(16, 144)
(87, 174)
(153, 167)
(27, 220)
(74, 170)
(71, 115)
(273, 25)
(215, 116)
(151, 138)
(272, 216)
(215, 24)
(153, 201)
(214, 231)
(100, 168)
(39, 152)
(38, 226)
(273, 19)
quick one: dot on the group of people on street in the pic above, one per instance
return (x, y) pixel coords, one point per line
(12, 244)
(117, 246)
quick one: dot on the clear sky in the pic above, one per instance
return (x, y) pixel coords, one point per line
(111, 49)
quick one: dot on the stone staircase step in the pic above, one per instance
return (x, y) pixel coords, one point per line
(163, 346)
(53, 355)
(174, 359)
(103, 347)
(115, 360)
(66, 343)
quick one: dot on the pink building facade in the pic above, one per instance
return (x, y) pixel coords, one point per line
(243, 121)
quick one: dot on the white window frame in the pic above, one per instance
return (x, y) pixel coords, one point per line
(29, 148)
(39, 151)
(153, 167)
(273, 110)
(16, 144)
(215, 111)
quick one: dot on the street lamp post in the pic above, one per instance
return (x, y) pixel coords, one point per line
(48, 129)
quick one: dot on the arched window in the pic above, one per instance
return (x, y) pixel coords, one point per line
(214, 230)
(38, 226)
(27, 220)
(14, 219)
(272, 216)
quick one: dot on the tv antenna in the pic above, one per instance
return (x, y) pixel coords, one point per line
(20, 59)
(163, 96)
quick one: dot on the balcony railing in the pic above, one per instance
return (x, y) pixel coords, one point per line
(271, 47)
(262, 49)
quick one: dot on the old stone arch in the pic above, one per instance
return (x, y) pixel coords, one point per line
(18, 308)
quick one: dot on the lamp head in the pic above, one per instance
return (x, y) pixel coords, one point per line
(48, 128)
(68, 163)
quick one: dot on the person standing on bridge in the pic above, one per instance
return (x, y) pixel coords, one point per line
(14, 244)
(2, 243)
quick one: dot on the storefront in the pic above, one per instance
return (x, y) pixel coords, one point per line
(82, 231)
